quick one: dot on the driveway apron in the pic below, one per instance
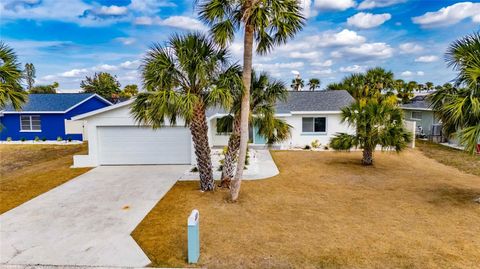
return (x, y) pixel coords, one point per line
(88, 220)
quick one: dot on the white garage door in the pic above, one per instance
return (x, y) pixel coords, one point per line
(141, 145)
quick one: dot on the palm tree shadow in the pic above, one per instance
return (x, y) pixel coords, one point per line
(455, 196)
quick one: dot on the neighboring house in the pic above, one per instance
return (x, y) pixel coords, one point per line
(48, 116)
(116, 139)
(419, 110)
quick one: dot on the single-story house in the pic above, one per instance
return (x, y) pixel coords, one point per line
(419, 110)
(48, 116)
(116, 139)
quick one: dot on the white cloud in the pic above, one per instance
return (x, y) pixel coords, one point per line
(322, 73)
(291, 65)
(343, 38)
(372, 50)
(409, 47)
(74, 73)
(149, 6)
(450, 15)
(353, 69)
(173, 21)
(126, 40)
(427, 59)
(368, 20)
(307, 9)
(334, 4)
(369, 4)
(408, 73)
(105, 68)
(326, 63)
(304, 55)
(130, 64)
(112, 10)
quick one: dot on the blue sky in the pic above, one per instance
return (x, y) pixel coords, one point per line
(67, 40)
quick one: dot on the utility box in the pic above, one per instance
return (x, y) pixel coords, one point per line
(193, 236)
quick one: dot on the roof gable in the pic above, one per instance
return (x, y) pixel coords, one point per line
(59, 102)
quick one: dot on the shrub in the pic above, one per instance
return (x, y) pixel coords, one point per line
(315, 144)
(36, 139)
(194, 169)
(22, 139)
(325, 148)
(69, 139)
(44, 139)
(9, 139)
(307, 147)
(59, 138)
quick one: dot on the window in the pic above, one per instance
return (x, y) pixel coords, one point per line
(222, 127)
(30, 123)
(416, 115)
(314, 125)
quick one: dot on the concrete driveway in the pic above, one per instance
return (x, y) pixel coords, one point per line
(88, 220)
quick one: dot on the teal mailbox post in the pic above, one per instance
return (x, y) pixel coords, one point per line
(193, 237)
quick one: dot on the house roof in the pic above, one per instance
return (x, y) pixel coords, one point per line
(419, 102)
(59, 102)
(310, 101)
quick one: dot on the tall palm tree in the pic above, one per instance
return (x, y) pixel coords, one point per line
(313, 83)
(265, 93)
(183, 78)
(371, 83)
(297, 84)
(11, 76)
(378, 121)
(459, 107)
(269, 23)
(429, 86)
(404, 92)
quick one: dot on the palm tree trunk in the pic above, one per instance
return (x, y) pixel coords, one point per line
(245, 109)
(367, 156)
(228, 170)
(199, 130)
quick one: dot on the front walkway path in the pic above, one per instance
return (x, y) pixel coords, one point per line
(88, 220)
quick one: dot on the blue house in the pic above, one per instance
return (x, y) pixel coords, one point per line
(45, 116)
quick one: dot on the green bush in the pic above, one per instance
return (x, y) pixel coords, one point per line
(69, 139)
(22, 139)
(307, 147)
(194, 169)
(44, 139)
(36, 139)
(59, 138)
(325, 148)
(9, 139)
(315, 144)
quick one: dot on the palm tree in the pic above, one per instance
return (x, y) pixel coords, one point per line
(297, 84)
(183, 78)
(313, 83)
(371, 83)
(459, 107)
(11, 76)
(429, 86)
(29, 74)
(270, 23)
(378, 121)
(265, 92)
(335, 86)
(404, 92)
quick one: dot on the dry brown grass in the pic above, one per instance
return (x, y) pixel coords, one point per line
(449, 156)
(27, 171)
(325, 210)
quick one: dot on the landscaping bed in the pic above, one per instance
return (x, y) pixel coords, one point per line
(27, 171)
(325, 210)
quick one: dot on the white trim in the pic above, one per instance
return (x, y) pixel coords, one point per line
(58, 112)
(30, 123)
(413, 108)
(30, 131)
(85, 100)
(316, 112)
(101, 110)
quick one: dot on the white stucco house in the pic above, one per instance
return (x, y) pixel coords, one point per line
(116, 139)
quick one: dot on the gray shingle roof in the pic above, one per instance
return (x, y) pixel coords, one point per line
(307, 101)
(419, 102)
(51, 102)
(315, 101)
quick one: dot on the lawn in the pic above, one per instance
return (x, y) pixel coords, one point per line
(325, 210)
(449, 156)
(27, 171)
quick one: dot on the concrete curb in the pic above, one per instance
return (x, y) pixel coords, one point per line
(41, 266)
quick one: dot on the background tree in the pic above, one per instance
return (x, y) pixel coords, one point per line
(270, 23)
(313, 83)
(404, 91)
(297, 84)
(184, 78)
(129, 91)
(265, 93)
(30, 75)
(459, 107)
(52, 88)
(102, 84)
(378, 121)
(429, 86)
(11, 91)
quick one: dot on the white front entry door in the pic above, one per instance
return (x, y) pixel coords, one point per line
(129, 145)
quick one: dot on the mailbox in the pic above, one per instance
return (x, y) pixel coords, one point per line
(193, 236)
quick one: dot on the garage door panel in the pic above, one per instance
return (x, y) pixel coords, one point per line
(142, 145)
